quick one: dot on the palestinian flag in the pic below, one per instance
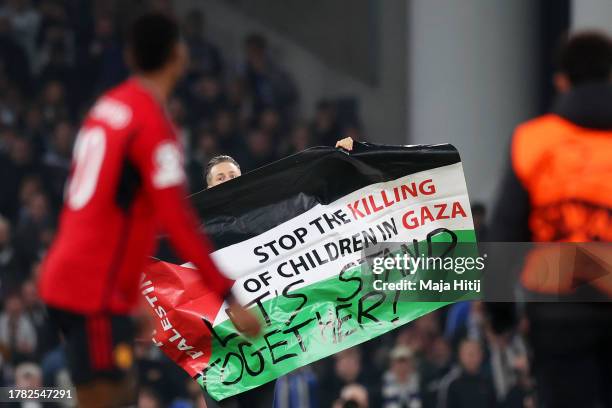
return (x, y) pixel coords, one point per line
(292, 235)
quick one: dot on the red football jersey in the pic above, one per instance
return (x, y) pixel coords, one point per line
(127, 182)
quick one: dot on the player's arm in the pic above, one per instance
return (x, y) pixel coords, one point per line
(159, 159)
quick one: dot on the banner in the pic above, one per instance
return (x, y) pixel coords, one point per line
(291, 235)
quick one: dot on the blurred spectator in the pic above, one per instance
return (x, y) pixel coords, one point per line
(24, 20)
(36, 312)
(156, 372)
(21, 156)
(440, 355)
(260, 150)
(206, 147)
(205, 98)
(239, 101)
(465, 320)
(352, 396)
(412, 338)
(194, 399)
(205, 58)
(34, 224)
(177, 112)
(28, 376)
(10, 266)
(353, 131)
(57, 68)
(11, 104)
(30, 186)
(466, 386)
(53, 103)
(53, 33)
(297, 389)
(34, 131)
(15, 165)
(270, 123)
(401, 383)
(509, 367)
(17, 333)
(269, 84)
(325, 128)
(7, 136)
(103, 60)
(57, 161)
(148, 398)
(432, 369)
(230, 140)
(300, 139)
(13, 59)
(346, 370)
(428, 328)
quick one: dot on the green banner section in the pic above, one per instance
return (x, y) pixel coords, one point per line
(305, 324)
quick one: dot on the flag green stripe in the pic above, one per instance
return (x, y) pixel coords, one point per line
(325, 324)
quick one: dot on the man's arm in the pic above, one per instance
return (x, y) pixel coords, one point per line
(346, 143)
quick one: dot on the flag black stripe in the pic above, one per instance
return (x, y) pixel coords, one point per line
(257, 201)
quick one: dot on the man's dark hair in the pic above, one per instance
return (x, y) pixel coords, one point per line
(586, 57)
(216, 160)
(151, 40)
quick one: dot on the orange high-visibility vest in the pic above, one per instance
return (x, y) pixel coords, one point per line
(567, 172)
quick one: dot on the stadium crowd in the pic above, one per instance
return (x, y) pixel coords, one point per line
(55, 57)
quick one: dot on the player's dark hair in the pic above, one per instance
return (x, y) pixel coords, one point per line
(216, 160)
(586, 57)
(151, 40)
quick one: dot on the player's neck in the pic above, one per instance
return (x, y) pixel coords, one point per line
(158, 84)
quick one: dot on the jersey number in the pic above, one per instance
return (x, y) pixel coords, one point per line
(88, 157)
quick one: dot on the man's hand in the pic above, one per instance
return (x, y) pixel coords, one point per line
(346, 143)
(245, 321)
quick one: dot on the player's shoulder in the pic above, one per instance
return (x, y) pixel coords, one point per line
(124, 105)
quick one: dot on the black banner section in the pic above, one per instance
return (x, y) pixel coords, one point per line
(257, 201)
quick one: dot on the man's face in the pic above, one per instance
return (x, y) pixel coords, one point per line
(222, 172)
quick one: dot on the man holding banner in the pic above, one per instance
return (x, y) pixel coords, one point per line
(224, 168)
(219, 170)
(292, 235)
